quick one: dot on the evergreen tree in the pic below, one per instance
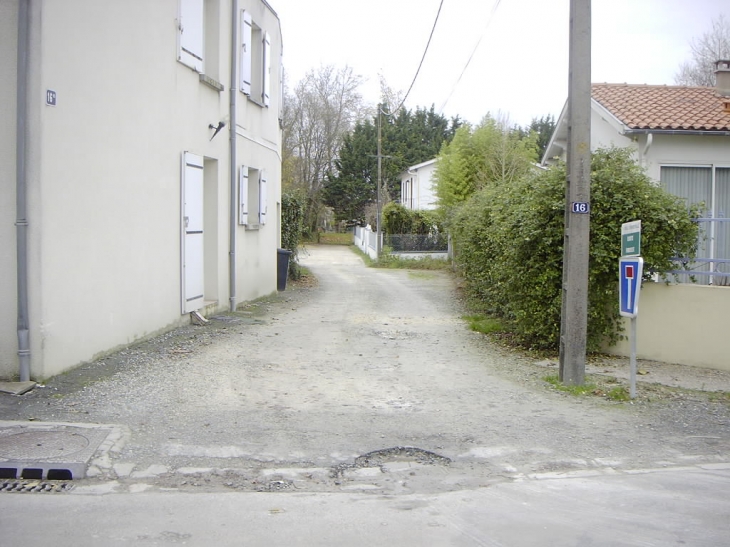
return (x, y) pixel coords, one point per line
(407, 138)
(543, 129)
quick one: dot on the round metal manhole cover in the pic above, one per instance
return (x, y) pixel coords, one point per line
(41, 444)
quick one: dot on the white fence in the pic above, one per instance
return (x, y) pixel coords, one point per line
(366, 240)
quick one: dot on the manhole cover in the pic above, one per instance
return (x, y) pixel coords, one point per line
(42, 445)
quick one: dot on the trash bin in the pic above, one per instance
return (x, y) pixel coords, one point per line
(283, 268)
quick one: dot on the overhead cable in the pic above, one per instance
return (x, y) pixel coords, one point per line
(422, 58)
(484, 32)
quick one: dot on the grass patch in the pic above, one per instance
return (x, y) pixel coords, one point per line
(619, 393)
(585, 389)
(393, 262)
(333, 238)
(719, 397)
(421, 275)
(484, 324)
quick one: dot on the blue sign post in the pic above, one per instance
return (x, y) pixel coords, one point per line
(630, 270)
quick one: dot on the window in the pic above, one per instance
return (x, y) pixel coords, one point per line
(252, 197)
(407, 198)
(255, 61)
(709, 185)
(190, 34)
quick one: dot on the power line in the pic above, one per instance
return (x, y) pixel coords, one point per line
(484, 32)
(422, 58)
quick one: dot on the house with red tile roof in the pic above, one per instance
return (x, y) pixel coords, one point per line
(681, 136)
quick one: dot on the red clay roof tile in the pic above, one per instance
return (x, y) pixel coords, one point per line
(664, 107)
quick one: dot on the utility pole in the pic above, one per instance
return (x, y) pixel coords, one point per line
(574, 314)
(377, 197)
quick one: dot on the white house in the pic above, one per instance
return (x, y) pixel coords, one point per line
(681, 135)
(140, 168)
(418, 186)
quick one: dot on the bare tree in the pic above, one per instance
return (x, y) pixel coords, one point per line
(324, 107)
(390, 98)
(710, 47)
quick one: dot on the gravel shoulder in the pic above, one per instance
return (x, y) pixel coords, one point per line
(369, 380)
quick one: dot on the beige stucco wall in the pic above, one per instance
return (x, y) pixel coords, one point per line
(684, 150)
(8, 291)
(105, 178)
(684, 324)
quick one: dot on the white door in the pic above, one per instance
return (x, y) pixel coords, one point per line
(193, 281)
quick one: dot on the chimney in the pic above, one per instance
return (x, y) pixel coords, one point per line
(722, 77)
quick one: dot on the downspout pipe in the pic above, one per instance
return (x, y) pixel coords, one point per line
(21, 193)
(233, 157)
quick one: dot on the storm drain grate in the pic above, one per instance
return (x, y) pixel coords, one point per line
(35, 486)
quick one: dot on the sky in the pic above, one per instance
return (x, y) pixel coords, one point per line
(519, 69)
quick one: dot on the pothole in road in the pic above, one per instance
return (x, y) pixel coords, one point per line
(379, 458)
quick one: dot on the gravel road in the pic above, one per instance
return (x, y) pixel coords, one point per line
(368, 381)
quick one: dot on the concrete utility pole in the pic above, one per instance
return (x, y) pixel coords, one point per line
(574, 315)
(377, 197)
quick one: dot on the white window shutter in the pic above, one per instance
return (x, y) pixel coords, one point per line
(190, 29)
(263, 198)
(246, 47)
(243, 196)
(266, 88)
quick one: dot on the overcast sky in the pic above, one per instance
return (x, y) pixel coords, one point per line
(521, 65)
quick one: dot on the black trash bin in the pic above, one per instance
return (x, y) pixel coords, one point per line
(283, 268)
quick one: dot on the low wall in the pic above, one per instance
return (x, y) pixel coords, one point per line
(418, 256)
(364, 239)
(684, 324)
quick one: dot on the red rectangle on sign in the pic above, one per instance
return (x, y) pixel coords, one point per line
(629, 271)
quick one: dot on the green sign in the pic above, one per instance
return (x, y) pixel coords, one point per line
(631, 238)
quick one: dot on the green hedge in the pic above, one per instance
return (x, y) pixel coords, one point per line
(292, 218)
(508, 240)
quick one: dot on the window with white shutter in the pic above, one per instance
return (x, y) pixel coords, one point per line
(243, 196)
(255, 61)
(190, 34)
(263, 207)
(246, 52)
(252, 197)
(266, 76)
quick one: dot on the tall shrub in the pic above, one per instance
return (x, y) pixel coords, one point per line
(397, 219)
(509, 239)
(292, 218)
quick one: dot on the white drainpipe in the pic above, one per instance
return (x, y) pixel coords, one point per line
(21, 207)
(233, 178)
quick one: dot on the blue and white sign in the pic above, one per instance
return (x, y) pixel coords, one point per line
(581, 207)
(630, 271)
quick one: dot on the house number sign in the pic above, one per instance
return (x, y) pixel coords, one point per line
(581, 207)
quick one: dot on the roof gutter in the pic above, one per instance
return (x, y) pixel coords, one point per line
(21, 190)
(693, 132)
